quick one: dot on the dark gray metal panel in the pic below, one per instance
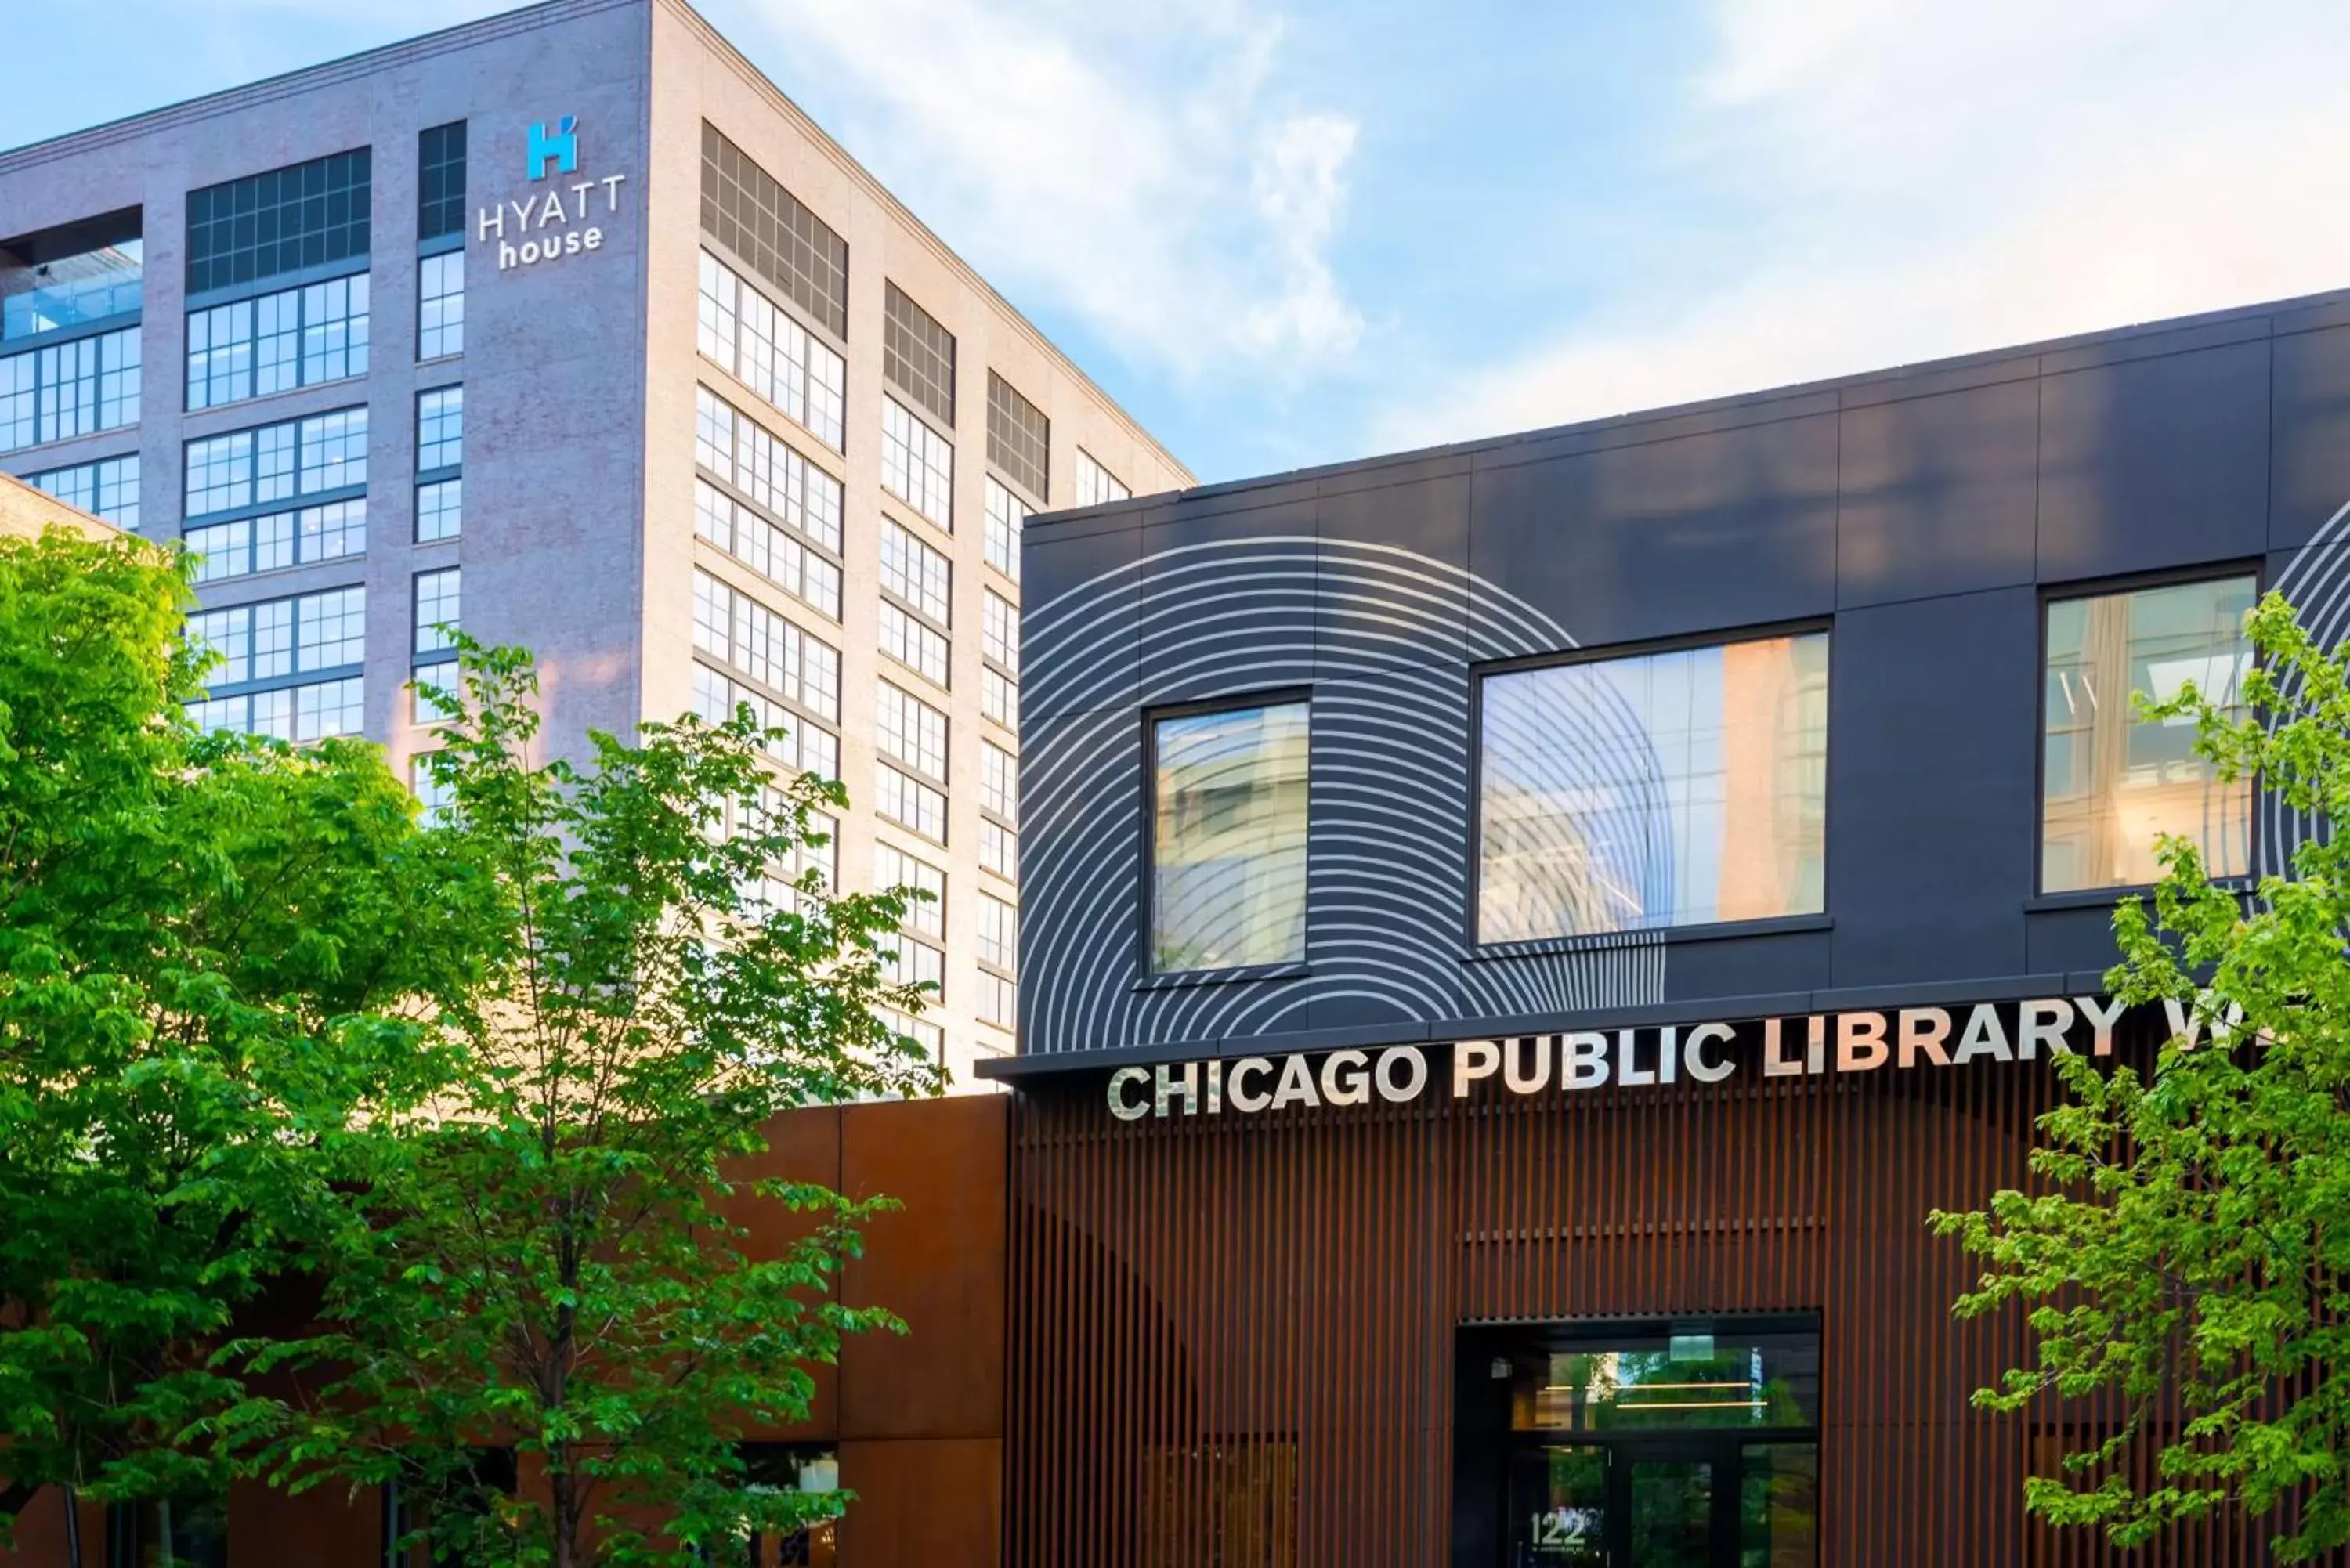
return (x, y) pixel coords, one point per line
(1209, 626)
(1743, 966)
(2310, 467)
(1380, 529)
(2074, 938)
(2155, 462)
(1725, 529)
(1932, 812)
(1078, 592)
(1938, 494)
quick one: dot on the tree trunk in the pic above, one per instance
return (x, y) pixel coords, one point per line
(73, 1530)
(565, 1486)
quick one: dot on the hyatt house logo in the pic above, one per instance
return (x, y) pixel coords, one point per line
(563, 220)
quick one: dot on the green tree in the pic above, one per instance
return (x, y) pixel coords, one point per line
(564, 1255)
(204, 944)
(2186, 1259)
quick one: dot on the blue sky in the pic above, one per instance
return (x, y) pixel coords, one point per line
(1293, 232)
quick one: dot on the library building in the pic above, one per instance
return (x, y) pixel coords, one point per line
(1518, 937)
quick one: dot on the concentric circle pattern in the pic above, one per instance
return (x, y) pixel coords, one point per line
(1385, 637)
(2316, 583)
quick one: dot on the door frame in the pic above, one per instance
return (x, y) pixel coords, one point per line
(1721, 1448)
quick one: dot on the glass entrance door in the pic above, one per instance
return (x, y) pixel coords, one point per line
(1672, 1517)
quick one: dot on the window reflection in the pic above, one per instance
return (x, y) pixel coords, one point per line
(2113, 784)
(1661, 1381)
(1228, 839)
(1666, 789)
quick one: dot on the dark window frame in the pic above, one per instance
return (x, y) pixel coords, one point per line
(1301, 695)
(232, 225)
(1474, 870)
(439, 201)
(2051, 594)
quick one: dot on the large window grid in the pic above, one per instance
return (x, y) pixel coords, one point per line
(999, 782)
(1019, 437)
(1228, 857)
(918, 354)
(441, 181)
(66, 389)
(999, 958)
(108, 488)
(748, 336)
(296, 338)
(744, 209)
(440, 428)
(294, 460)
(922, 578)
(999, 850)
(1648, 791)
(807, 745)
(438, 605)
(738, 450)
(305, 215)
(273, 540)
(440, 510)
(776, 888)
(909, 803)
(999, 697)
(999, 630)
(905, 962)
(1096, 486)
(273, 644)
(440, 305)
(2110, 782)
(737, 630)
(913, 643)
(894, 869)
(917, 465)
(1008, 515)
(766, 549)
(910, 733)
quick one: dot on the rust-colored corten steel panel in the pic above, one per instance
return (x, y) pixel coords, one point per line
(1265, 1307)
(802, 1146)
(937, 1262)
(922, 1503)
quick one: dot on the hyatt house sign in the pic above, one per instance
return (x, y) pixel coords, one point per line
(1905, 1040)
(566, 218)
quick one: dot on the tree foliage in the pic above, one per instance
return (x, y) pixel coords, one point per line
(2186, 1262)
(205, 945)
(563, 1255)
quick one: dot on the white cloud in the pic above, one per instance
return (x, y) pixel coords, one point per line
(1141, 166)
(1915, 180)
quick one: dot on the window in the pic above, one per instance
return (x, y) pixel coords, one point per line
(894, 867)
(1007, 514)
(739, 451)
(918, 354)
(440, 428)
(999, 933)
(804, 745)
(430, 794)
(441, 305)
(921, 578)
(1096, 486)
(766, 549)
(999, 781)
(905, 962)
(745, 210)
(2112, 783)
(912, 644)
(999, 850)
(917, 465)
(441, 181)
(999, 1000)
(910, 731)
(437, 595)
(737, 630)
(298, 459)
(999, 697)
(75, 275)
(305, 216)
(909, 803)
(999, 631)
(298, 337)
(440, 510)
(1228, 839)
(742, 331)
(1664, 789)
(108, 488)
(1019, 437)
(277, 539)
(921, 1032)
(66, 389)
(274, 642)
